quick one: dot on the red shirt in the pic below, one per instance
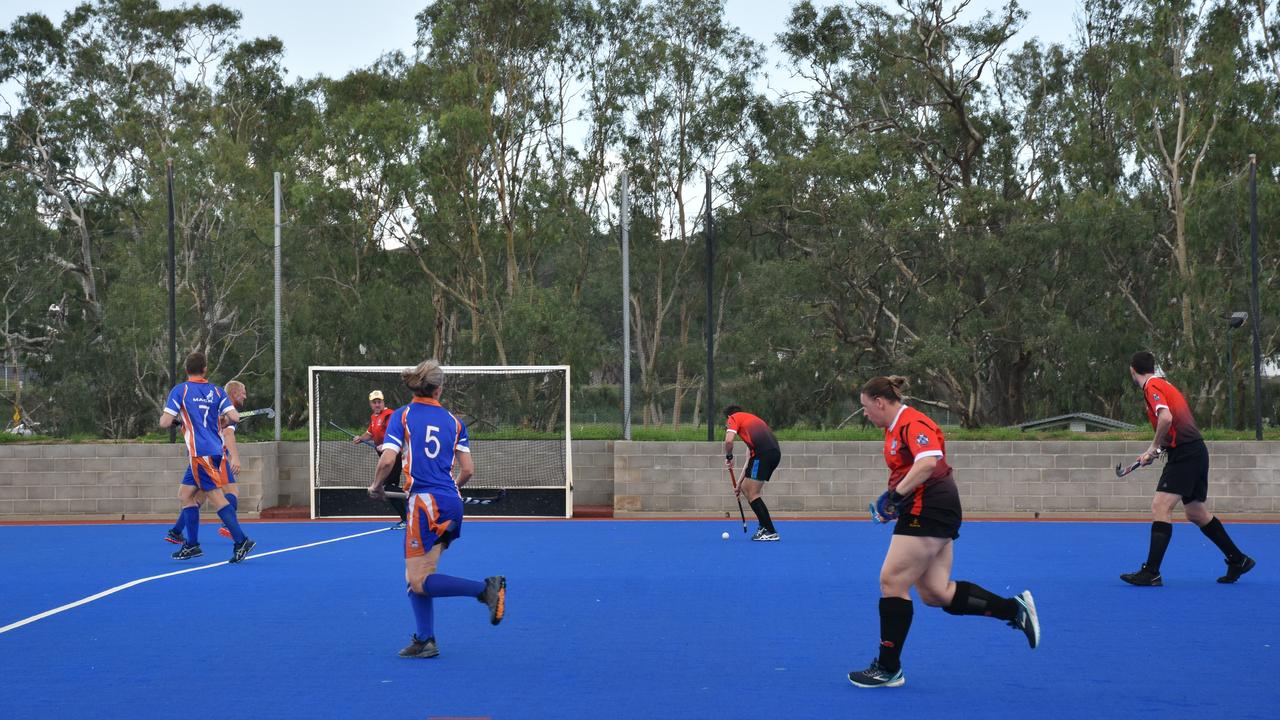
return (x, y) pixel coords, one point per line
(912, 435)
(378, 425)
(753, 431)
(1160, 393)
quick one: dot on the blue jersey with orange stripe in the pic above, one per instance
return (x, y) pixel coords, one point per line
(428, 437)
(199, 404)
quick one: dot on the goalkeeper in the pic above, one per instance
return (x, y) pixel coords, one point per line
(923, 498)
(373, 435)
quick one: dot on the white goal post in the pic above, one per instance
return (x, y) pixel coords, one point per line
(518, 419)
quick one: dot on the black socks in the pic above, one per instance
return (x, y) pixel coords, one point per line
(762, 514)
(972, 599)
(895, 621)
(1218, 534)
(1161, 533)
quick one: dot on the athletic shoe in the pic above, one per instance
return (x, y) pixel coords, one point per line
(187, 552)
(1235, 570)
(399, 526)
(419, 648)
(876, 676)
(495, 596)
(1026, 620)
(1145, 577)
(174, 537)
(241, 550)
(763, 535)
(224, 531)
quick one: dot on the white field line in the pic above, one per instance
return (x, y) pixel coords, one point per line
(139, 581)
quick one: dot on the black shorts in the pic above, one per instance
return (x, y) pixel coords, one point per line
(936, 513)
(1186, 472)
(760, 467)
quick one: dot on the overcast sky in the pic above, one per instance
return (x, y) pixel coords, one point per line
(332, 37)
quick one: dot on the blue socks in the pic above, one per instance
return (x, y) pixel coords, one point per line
(423, 613)
(191, 519)
(228, 515)
(235, 503)
(438, 585)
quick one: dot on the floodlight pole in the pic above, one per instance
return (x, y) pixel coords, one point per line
(173, 298)
(276, 403)
(1231, 393)
(711, 318)
(625, 221)
(1253, 297)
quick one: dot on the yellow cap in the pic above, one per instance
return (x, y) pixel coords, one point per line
(375, 395)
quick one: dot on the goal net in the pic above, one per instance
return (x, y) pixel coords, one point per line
(517, 418)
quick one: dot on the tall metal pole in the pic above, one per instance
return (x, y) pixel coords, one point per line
(173, 295)
(711, 318)
(276, 404)
(1231, 384)
(1253, 297)
(626, 308)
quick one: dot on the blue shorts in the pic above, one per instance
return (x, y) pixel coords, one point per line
(227, 472)
(208, 468)
(431, 519)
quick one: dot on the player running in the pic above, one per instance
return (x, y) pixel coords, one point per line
(764, 459)
(1185, 476)
(374, 433)
(200, 406)
(924, 500)
(433, 441)
(230, 467)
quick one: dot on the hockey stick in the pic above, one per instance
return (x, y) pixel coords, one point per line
(348, 433)
(737, 496)
(268, 412)
(1121, 471)
(466, 499)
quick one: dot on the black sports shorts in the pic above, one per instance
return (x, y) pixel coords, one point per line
(936, 514)
(760, 467)
(1186, 472)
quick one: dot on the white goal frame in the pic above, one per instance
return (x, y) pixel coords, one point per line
(313, 424)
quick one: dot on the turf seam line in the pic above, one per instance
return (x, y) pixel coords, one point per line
(184, 571)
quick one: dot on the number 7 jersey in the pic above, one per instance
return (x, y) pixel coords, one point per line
(199, 404)
(429, 438)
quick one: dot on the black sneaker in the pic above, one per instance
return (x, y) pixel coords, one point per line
(241, 550)
(876, 676)
(399, 526)
(186, 552)
(174, 537)
(1026, 620)
(1145, 577)
(495, 596)
(419, 648)
(763, 535)
(1235, 570)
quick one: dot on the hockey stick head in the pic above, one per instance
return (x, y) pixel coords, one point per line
(1122, 470)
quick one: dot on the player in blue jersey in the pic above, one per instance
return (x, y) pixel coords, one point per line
(432, 443)
(200, 406)
(230, 468)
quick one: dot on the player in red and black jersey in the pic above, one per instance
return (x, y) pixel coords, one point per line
(922, 496)
(375, 433)
(1185, 476)
(764, 459)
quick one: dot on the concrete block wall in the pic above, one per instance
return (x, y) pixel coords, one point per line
(593, 472)
(1065, 478)
(112, 479)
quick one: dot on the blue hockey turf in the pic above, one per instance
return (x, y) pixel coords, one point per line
(628, 619)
